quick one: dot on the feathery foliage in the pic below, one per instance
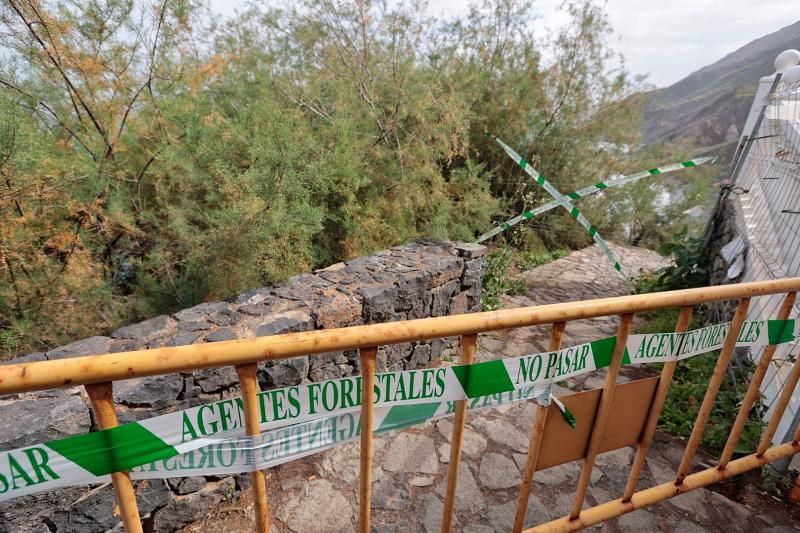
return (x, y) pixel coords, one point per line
(151, 159)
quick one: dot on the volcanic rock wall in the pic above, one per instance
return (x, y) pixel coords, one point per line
(413, 281)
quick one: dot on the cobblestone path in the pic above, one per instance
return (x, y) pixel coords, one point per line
(320, 493)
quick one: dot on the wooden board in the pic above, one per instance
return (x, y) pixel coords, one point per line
(629, 408)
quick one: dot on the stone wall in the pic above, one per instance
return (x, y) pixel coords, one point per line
(728, 253)
(413, 281)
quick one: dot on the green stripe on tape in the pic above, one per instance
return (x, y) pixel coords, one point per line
(482, 379)
(522, 163)
(403, 416)
(113, 450)
(560, 199)
(780, 331)
(592, 230)
(527, 215)
(592, 189)
(618, 267)
(603, 350)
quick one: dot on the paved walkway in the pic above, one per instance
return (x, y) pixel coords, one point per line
(319, 494)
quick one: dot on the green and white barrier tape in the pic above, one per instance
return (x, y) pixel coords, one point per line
(304, 419)
(565, 202)
(286, 444)
(663, 347)
(225, 454)
(592, 189)
(568, 417)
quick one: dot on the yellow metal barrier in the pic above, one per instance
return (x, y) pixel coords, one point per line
(98, 372)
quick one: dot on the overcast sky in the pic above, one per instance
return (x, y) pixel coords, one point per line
(666, 39)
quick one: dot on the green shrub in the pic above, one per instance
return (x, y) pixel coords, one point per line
(686, 393)
(495, 278)
(689, 268)
(692, 375)
(143, 173)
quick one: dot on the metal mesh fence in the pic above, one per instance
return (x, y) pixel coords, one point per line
(765, 185)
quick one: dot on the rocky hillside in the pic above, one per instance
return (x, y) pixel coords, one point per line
(708, 107)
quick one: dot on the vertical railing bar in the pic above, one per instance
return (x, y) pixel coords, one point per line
(728, 345)
(468, 343)
(754, 390)
(368, 356)
(664, 382)
(795, 439)
(248, 381)
(665, 491)
(101, 395)
(603, 411)
(777, 414)
(556, 337)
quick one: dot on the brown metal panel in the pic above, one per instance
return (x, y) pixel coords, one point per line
(629, 408)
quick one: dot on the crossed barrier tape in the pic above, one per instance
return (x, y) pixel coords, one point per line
(565, 202)
(593, 189)
(304, 419)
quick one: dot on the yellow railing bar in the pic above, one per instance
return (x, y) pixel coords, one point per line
(248, 381)
(665, 380)
(603, 410)
(644, 498)
(368, 357)
(556, 338)
(777, 414)
(101, 396)
(468, 343)
(23, 377)
(728, 345)
(754, 390)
